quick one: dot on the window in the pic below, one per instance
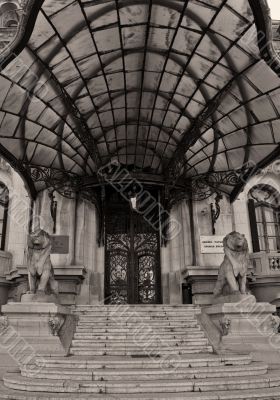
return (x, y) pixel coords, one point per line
(268, 227)
(4, 204)
(9, 15)
(264, 211)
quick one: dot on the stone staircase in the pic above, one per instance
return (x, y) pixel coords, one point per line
(142, 352)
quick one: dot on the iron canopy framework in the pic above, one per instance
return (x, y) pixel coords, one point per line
(172, 88)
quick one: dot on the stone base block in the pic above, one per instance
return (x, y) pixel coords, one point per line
(247, 326)
(39, 298)
(47, 327)
(234, 298)
(202, 281)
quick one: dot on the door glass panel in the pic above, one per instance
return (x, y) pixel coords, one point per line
(269, 215)
(272, 243)
(260, 229)
(259, 214)
(271, 229)
(118, 277)
(262, 243)
(147, 278)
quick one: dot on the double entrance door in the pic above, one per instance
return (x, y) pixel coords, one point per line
(132, 253)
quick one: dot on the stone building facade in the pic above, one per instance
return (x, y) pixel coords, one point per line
(188, 271)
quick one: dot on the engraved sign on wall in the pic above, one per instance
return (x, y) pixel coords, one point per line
(211, 244)
(60, 244)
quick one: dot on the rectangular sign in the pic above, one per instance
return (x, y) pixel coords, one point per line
(211, 244)
(60, 244)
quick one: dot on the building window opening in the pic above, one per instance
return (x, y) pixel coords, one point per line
(264, 211)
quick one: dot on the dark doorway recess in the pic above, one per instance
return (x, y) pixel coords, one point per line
(132, 249)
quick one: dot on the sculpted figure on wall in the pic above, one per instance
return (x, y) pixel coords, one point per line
(40, 269)
(232, 276)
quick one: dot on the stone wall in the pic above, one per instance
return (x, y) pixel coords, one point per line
(18, 213)
(89, 253)
(176, 255)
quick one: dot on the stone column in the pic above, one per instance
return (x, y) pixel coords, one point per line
(165, 269)
(176, 256)
(241, 218)
(18, 219)
(88, 253)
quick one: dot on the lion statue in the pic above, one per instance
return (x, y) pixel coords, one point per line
(40, 270)
(232, 276)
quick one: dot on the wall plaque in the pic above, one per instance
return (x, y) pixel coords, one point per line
(60, 244)
(211, 244)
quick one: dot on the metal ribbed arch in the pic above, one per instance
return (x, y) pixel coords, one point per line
(75, 29)
(276, 118)
(180, 76)
(108, 8)
(179, 158)
(133, 122)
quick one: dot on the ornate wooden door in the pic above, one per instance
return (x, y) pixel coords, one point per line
(132, 255)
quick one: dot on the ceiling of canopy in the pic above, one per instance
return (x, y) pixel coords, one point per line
(172, 88)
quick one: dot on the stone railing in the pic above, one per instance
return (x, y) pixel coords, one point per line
(274, 262)
(265, 263)
(5, 262)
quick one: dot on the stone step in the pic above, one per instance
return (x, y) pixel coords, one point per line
(135, 311)
(138, 331)
(140, 307)
(143, 307)
(136, 345)
(124, 312)
(18, 382)
(259, 394)
(129, 336)
(148, 373)
(137, 318)
(185, 361)
(153, 322)
(132, 325)
(107, 362)
(137, 340)
(180, 313)
(138, 352)
(188, 326)
(159, 348)
(127, 330)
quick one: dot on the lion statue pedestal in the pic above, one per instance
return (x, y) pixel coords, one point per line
(242, 324)
(47, 326)
(39, 298)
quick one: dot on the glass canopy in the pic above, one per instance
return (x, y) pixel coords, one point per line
(172, 88)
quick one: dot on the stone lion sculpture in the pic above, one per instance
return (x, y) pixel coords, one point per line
(40, 269)
(232, 276)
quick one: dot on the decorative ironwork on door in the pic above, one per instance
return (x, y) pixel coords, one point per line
(132, 258)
